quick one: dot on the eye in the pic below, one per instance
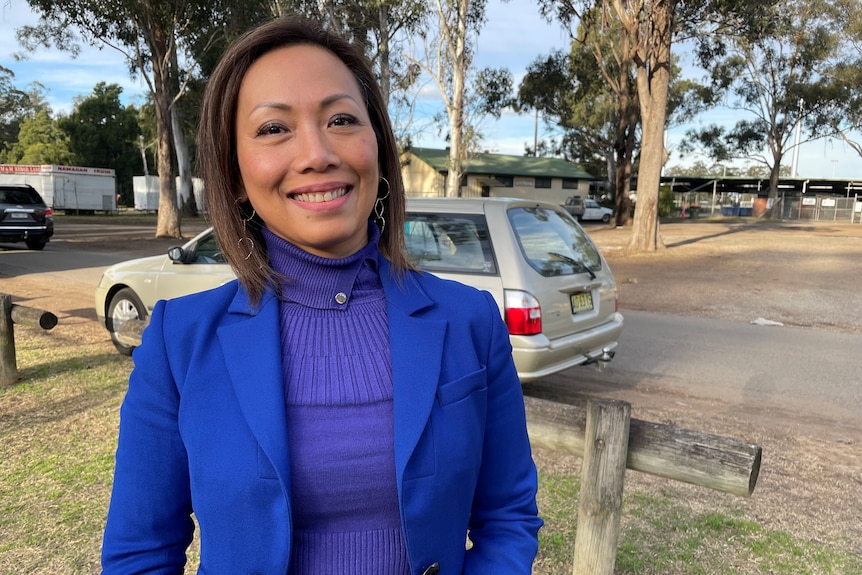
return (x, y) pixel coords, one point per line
(269, 129)
(344, 120)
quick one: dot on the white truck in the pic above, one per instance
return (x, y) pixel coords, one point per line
(72, 189)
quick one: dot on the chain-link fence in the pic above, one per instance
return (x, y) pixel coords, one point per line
(813, 207)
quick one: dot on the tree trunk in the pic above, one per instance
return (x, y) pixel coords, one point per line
(456, 114)
(187, 204)
(653, 77)
(624, 148)
(383, 54)
(168, 221)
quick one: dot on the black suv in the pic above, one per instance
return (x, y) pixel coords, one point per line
(24, 217)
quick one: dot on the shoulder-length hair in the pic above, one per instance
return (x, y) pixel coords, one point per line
(236, 227)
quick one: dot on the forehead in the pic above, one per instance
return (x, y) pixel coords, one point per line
(300, 69)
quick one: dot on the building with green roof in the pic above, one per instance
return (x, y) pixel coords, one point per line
(495, 175)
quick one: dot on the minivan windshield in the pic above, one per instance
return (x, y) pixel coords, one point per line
(552, 243)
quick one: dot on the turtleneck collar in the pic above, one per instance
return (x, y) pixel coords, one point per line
(319, 282)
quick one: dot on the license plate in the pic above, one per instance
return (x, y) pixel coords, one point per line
(19, 216)
(581, 302)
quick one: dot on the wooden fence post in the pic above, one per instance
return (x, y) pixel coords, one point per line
(601, 500)
(8, 361)
(10, 314)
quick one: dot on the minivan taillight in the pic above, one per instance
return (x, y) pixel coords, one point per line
(49, 213)
(522, 312)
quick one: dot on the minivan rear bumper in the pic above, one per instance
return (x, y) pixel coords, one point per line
(536, 356)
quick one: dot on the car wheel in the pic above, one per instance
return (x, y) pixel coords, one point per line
(35, 244)
(124, 306)
(606, 218)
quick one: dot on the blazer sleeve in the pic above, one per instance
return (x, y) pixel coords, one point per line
(149, 525)
(504, 521)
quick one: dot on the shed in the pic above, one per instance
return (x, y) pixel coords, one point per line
(495, 175)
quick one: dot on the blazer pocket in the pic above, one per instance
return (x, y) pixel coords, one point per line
(458, 389)
(265, 469)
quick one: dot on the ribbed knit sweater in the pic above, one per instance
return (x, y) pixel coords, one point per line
(338, 394)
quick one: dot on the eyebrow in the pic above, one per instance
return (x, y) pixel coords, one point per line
(325, 103)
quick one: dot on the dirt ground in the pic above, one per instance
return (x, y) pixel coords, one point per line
(799, 274)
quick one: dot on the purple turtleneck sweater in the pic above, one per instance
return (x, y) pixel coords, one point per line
(338, 394)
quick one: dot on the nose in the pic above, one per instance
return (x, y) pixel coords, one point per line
(314, 151)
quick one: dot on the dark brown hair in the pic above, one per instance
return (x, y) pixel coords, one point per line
(237, 229)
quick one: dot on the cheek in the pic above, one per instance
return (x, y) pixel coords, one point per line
(256, 167)
(367, 154)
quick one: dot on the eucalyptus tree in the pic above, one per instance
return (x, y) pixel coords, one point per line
(647, 31)
(591, 94)
(469, 95)
(844, 116)
(568, 90)
(150, 34)
(775, 79)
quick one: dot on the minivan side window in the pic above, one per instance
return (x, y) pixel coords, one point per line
(449, 243)
(552, 243)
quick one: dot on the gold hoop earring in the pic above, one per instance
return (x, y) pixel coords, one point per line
(380, 207)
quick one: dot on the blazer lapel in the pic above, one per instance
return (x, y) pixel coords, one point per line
(416, 346)
(252, 352)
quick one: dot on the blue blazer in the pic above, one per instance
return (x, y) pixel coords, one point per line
(203, 432)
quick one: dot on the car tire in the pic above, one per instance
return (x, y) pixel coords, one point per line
(35, 244)
(125, 305)
(606, 218)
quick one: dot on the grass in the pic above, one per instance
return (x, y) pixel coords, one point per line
(57, 441)
(661, 534)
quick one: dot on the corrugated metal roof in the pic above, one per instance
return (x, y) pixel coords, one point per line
(504, 165)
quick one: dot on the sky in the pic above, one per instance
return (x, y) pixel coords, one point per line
(513, 37)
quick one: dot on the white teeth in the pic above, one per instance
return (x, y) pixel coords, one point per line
(319, 197)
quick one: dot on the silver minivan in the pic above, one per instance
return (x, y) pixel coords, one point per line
(552, 285)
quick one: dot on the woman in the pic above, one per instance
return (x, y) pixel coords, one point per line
(332, 411)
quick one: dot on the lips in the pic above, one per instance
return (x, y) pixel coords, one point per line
(320, 197)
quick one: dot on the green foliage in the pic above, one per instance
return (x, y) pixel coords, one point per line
(15, 106)
(40, 141)
(776, 72)
(103, 133)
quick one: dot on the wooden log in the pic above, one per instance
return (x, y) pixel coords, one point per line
(720, 463)
(8, 361)
(600, 503)
(131, 331)
(33, 317)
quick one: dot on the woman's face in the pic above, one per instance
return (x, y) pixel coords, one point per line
(307, 151)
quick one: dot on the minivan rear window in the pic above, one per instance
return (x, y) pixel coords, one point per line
(450, 243)
(553, 244)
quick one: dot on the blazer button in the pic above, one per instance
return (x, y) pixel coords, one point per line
(432, 569)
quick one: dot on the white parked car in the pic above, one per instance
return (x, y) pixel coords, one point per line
(594, 211)
(554, 289)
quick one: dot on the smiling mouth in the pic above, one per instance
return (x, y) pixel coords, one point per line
(320, 197)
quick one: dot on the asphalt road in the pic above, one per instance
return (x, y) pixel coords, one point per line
(807, 371)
